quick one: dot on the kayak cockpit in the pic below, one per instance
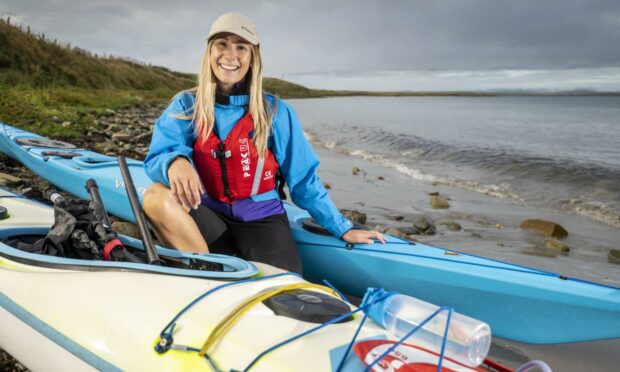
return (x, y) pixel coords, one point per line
(174, 262)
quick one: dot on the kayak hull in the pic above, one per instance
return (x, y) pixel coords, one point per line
(519, 303)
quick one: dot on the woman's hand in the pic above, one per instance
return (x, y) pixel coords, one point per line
(362, 236)
(185, 183)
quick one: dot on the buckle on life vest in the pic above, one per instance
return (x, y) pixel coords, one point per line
(218, 154)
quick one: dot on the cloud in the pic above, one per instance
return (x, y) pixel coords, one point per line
(601, 79)
(347, 36)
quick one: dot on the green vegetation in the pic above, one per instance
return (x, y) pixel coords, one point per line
(35, 61)
(43, 82)
(36, 109)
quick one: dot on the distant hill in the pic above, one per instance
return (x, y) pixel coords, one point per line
(35, 60)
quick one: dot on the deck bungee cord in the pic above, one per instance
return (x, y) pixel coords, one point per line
(333, 287)
(166, 341)
(165, 337)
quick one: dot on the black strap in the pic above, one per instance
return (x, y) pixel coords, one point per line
(221, 154)
(281, 183)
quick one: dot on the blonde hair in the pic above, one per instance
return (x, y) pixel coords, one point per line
(204, 107)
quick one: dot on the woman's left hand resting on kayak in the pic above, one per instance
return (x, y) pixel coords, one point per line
(362, 236)
(240, 144)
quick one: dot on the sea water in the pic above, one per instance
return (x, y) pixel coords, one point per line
(559, 153)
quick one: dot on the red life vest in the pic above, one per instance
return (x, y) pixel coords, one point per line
(231, 169)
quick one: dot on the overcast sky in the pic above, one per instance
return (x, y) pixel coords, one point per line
(362, 44)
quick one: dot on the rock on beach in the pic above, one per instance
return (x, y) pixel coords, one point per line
(354, 215)
(547, 228)
(439, 201)
(553, 243)
(614, 256)
(424, 225)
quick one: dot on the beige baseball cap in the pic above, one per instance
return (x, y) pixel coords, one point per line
(237, 24)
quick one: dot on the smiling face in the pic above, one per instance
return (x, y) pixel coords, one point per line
(230, 60)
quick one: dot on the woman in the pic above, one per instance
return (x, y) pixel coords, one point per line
(229, 140)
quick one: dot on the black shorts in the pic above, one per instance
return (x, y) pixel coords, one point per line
(268, 240)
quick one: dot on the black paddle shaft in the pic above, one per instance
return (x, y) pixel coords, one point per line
(138, 213)
(93, 191)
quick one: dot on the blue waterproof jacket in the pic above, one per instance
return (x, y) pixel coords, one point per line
(173, 137)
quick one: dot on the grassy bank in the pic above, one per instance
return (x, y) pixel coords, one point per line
(60, 112)
(57, 90)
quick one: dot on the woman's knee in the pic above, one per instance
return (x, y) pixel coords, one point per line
(158, 200)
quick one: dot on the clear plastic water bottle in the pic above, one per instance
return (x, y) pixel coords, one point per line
(468, 341)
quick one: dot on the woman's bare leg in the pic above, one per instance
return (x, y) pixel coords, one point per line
(172, 222)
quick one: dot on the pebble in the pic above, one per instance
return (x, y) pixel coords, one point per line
(122, 136)
(114, 128)
(409, 230)
(397, 233)
(126, 228)
(424, 225)
(558, 245)
(7, 179)
(451, 225)
(354, 215)
(614, 256)
(439, 202)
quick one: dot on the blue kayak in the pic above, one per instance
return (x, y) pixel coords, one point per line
(519, 303)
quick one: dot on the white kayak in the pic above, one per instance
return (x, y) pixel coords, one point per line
(66, 315)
